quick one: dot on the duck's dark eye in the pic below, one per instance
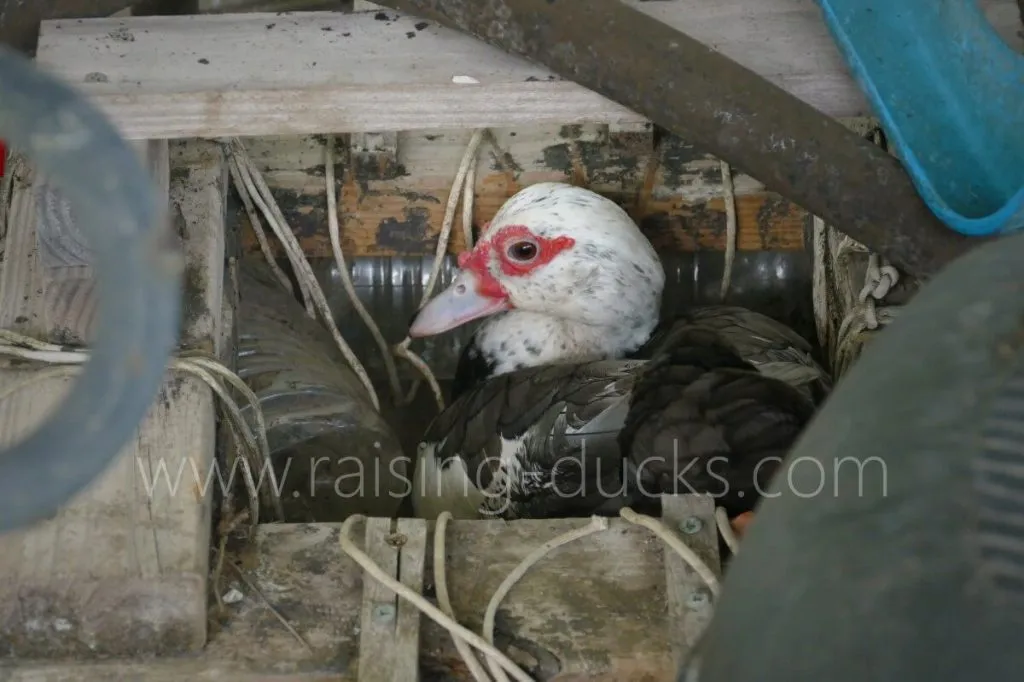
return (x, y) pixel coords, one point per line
(523, 251)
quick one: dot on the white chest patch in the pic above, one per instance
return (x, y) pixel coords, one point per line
(520, 339)
(437, 489)
(452, 488)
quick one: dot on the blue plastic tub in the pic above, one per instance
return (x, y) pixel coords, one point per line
(950, 94)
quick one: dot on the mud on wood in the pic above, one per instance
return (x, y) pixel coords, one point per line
(121, 569)
(393, 202)
(593, 610)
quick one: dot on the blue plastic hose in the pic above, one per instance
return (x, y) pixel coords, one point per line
(138, 270)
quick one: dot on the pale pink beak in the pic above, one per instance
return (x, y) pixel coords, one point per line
(460, 303)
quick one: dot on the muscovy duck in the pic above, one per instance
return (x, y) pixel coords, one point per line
(561, 273)
(564, 276)
(772, 347)
(576, 439)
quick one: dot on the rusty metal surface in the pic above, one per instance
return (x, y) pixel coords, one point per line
(715, 103)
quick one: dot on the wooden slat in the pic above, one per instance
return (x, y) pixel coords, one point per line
(594, 611)
(412, 565)
(61, 242)
(122, 569)
(392, 224)
(690, 604)
(389, 638)
(324, 72)
(317, 72)
(396, 207)
(374, 151)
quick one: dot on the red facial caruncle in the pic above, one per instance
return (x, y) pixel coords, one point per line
(519, 253)
(475, 292)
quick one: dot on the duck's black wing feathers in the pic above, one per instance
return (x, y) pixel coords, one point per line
(773, 348)
(703, 420)
(541, 442)
(472, 369)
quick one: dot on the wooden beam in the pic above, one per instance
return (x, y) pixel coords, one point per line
(328, 72)
(122, 569)
(60, 240)
(394, 224)
(317, 72)
(376, 152)
(393, 204)
(593, 611)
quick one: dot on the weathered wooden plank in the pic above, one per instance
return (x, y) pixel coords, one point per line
(323, 72)
(375, 152)
(392, 224)
(592, 611)
(412, 565)
(121, 570)
(396, 208)
(317, 72)
(389, 638)
(689, 600)
(61, 242)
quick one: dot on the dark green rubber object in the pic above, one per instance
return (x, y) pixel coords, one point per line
(922, 580)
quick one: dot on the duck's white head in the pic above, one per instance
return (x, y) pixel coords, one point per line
(572, 274)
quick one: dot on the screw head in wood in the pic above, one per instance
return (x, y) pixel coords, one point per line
(698, 599)
(691, 525)
(383, 613)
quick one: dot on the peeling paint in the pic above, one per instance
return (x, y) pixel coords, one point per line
(408, 235)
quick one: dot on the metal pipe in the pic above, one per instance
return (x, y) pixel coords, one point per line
(722, 107)
(138, 271)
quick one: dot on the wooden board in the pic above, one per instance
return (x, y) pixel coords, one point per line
(122, 568)
(326, 72)
(592, 611)
(61, 242)
(389, 627)
(392, 202)
(690, 603)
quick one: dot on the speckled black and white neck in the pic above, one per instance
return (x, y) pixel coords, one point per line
(518, 339)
